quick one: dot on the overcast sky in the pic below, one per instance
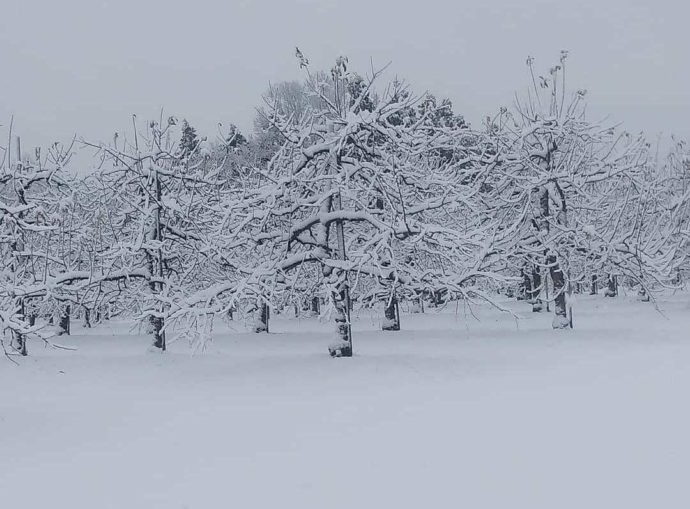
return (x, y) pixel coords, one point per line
(84, 66)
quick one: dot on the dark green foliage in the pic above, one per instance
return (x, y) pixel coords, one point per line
(189, 140)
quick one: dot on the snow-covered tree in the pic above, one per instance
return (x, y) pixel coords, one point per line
(31, 195)
(379, 205)
(154, 196)
(585, 183)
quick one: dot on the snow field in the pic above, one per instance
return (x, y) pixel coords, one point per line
(449, 412)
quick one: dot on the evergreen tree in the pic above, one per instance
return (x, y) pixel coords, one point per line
(235, 138)
(189, 141)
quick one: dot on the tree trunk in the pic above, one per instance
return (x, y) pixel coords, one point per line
(20, 343)
(417, 304)
(263, 316)
(155, 260)
(560, 319)
(64, 323)
(391, 319)
(87, 318)
(158, 332)
(341, 297)
(343, 331)
(525, 286)
(611, 287)
(537, 305)
(593, 288)
(437, 298)
(315, 306)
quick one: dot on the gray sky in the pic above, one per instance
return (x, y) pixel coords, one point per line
(83, 66)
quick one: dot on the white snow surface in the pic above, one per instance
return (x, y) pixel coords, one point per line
(450, 412)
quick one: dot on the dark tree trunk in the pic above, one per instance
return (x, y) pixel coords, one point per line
(87, 318)
(64, 323)
(643, 295)
(158, 332)
(264, 315)
(437, 298)
(525, 286)
(343, 330)
(545, 284)
(611, 286)
(560, 320)
(341, 297)
(315, 306)
(20, 343)
(19, 338)
(417, 304)
(340, 293)
(155, 261)
(391, 315)
(156, 323)
(593, 288)
(537, 305)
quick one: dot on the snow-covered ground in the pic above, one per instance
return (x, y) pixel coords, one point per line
(450, 412)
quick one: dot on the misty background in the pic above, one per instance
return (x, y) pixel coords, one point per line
(83, 66)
